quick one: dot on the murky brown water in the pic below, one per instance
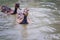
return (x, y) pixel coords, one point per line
(44, 25)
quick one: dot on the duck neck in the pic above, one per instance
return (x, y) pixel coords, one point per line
(16, 7)
(15, 11)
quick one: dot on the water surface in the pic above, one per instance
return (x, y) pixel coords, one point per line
(44, 24)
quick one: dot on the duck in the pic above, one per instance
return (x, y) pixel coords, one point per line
(8, 10)
(22, 17)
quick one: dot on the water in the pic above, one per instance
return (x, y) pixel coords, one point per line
(44, 24)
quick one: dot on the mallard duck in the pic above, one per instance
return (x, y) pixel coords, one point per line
(8, 10)
(22, 17)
